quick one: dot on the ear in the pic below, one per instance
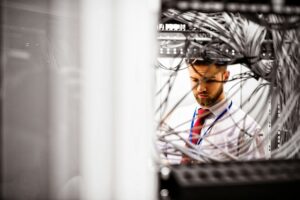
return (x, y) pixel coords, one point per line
(226, 75)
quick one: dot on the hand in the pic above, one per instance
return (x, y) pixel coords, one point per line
(185, 160)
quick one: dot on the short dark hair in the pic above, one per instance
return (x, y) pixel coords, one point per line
(200, 61)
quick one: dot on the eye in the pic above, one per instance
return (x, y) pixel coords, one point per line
(211, 80)
(194, 80)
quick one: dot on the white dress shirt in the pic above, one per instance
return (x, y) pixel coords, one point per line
(235, 136)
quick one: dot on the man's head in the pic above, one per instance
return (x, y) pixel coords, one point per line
(207, 82)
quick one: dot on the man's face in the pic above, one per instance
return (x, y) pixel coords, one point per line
(207, 83)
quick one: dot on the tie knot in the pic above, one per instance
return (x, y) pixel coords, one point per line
(203, 113)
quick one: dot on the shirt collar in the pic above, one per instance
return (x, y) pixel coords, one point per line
(219, 107)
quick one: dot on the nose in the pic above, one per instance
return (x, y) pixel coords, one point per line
(201, 86)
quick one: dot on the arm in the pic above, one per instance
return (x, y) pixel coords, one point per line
(251, 144)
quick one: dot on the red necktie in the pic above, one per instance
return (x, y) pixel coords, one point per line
(202, 115)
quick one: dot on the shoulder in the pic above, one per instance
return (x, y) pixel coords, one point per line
(243, 119)
(181, 114)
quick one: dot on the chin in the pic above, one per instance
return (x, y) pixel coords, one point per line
(204, 102)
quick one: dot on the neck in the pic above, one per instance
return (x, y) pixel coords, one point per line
(220, 98)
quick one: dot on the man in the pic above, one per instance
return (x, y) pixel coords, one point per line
(219, 130)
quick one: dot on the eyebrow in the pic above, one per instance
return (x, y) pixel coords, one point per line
(212, 77)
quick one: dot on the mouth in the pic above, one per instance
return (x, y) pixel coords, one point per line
(203, 96)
